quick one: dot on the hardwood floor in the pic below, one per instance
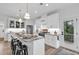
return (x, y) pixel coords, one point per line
(49, 50)
(60, 51)
(5, 48)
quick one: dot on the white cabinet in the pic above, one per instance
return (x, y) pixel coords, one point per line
(51, 21)
(61, 39)
(36, 47)
(39, 47)
(52, 41)
(15, 23)
(41, 22)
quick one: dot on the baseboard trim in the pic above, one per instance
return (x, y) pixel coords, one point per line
(70, 49)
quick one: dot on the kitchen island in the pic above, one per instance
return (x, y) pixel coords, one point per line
(35, 44)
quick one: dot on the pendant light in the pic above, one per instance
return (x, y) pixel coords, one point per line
(27, 15)
(20, 20)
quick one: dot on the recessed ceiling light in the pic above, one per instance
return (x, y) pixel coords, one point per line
(41, 3)
(46, 4)
(36, 12)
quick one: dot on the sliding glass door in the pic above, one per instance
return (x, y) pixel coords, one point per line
(71, 34)
(69, 31)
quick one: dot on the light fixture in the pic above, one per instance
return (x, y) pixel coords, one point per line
(41, 3)
(46, 4)
(20, 20)
(27, 15)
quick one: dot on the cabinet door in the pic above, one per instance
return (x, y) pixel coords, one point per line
(29, 29)
(11, 24)
(41, 23)
(22, 25)
(39, 47)
(17, 24)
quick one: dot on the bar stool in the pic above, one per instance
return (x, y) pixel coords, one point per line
(24, 50)
(19, 48)
(13, 45)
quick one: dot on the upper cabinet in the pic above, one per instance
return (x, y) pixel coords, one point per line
(14, 23)
(51, 21)
(40, 23)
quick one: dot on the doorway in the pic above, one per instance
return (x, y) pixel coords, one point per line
(1, 31)
(29, 29)
(71, 34)
(69, 31)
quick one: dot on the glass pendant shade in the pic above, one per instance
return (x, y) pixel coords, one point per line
(20, 20)
(27, 16)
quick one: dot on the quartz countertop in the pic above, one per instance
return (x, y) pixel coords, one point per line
(26, 38)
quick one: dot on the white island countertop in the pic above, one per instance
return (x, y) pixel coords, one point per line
(36, 45)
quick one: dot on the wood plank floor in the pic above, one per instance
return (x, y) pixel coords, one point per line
(52, 51)
(5, 48)
(49, 50)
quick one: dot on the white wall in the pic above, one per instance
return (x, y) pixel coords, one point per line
(53, 20)
(3, 20)
(70, 13)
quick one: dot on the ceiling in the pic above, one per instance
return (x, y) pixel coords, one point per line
(35, 9)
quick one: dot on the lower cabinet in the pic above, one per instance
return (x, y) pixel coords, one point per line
(36, 47)
(52, 41)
